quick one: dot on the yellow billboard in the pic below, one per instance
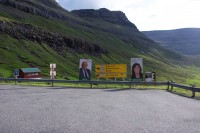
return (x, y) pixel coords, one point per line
(111, 71)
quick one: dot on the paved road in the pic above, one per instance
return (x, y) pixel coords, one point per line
(64, 110)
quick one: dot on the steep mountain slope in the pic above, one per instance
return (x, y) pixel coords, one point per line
(45, 8)
(185, 41)
(29, 39)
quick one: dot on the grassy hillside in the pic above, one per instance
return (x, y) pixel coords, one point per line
(121, 42)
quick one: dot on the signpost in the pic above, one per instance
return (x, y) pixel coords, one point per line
(16, 74)
(111, 71)
(52, 72)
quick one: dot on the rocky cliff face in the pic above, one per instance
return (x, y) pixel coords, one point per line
(116, 17)
(44, 8)
(56, 41)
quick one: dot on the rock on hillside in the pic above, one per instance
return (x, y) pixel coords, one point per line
(56, 41)
(44, 8)
(116, 17)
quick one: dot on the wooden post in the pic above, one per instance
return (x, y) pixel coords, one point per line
(168, 83)
(154, 82)
(106, 84)
(52, 83)
(98, 84)
(15, 80)
(171, 85)
(193, 93)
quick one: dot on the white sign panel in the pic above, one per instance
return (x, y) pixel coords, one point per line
(52, 73)
(52, 66)
(52, 70)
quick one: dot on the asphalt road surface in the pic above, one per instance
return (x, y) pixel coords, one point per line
(66, 110)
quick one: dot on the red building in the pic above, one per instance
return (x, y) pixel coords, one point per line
(29, 73)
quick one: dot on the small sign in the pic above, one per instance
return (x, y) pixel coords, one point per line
(52, 70)
(53, 66)
(150, 76)
(16, 72)
(52, 73)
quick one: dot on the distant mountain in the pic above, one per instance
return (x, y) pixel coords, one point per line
(185, 41)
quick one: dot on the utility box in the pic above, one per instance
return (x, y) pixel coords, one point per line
(150, 76)
(30, 73)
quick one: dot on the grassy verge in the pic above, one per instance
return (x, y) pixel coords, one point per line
(87, 85)
(185, 93)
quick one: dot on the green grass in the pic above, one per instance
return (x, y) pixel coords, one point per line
(16, 54)
(186, 93)
(20, 53)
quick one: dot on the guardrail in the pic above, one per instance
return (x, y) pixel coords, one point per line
(97, 82)
(91, 82)
(191, 88)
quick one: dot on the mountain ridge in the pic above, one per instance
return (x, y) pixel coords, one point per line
(185, 40)
(116, 17)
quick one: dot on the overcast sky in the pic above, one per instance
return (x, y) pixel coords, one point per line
(147, 14)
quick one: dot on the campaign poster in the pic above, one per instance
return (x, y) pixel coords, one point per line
(136, 68)
(85, 68)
